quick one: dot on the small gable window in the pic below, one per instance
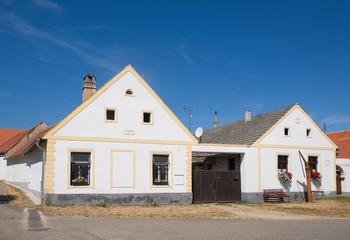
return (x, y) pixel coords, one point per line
(308, 132)
(129, 92)
(286, 132)
(111, 115)
(147, 118)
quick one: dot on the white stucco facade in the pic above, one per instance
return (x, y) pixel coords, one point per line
(26, 171)
(259, 163)
(121, 150)
(2, 167)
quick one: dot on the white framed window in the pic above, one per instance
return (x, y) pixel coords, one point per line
(282, 163)
(308, 132)
(80, 163)
(147, 117)
(286, 131)
(110, 115)
(160, 169)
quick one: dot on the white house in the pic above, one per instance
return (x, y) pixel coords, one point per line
(260, 148)
(22, 165)
(342, 140)
(121, 145)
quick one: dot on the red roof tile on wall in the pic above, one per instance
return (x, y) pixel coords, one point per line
(8, 133)
(342, 140)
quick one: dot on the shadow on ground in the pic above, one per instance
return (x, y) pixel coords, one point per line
(6, 198)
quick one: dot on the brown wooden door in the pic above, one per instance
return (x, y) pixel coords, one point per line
(216, 186)
(339, 192)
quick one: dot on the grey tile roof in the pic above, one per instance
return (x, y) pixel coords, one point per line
(242, 132)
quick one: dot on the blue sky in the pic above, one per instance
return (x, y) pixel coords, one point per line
(225, 56)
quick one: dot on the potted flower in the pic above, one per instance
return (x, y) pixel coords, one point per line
(316, 175)
(285, 177)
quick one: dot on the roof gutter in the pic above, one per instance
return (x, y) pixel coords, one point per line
(42, 193)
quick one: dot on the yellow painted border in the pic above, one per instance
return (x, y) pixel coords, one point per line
(92, 167)
(170, 173)
(133, 166)
(297, 147)
(188, 168)
(345, 165)
(119, 140)
(49, 182)
(86, 103)
(115, 115)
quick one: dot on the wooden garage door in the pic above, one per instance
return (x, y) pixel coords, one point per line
(216, 186)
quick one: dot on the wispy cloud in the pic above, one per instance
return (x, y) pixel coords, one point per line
(88, 54)
(183, 51)
(47, 4)
(5, 94)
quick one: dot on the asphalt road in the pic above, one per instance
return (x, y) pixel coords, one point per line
(16, 223)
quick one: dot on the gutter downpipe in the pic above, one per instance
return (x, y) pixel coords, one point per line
(42, 194)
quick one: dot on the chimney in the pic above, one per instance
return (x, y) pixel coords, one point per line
(216, 122)
(248, 115)
(89, 86)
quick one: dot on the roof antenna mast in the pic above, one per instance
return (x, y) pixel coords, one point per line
(189, 111)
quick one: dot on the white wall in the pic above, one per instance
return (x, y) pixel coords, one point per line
(26, 171)
(297, 122)
(90, 122)
(2, 167)
(325, 166)
(101, 167)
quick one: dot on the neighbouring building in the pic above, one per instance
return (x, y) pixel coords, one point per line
(342, 140)
(248, 156)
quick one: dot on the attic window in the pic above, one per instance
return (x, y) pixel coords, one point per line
(129, 92)
(286, 132)
(147, 118)
(308, 132)
(111, 115)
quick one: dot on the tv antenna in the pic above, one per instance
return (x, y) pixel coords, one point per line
(189, 111)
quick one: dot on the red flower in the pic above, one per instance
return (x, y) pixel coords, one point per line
(316, 175)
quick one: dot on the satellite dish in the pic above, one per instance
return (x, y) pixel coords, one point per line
(199, 132)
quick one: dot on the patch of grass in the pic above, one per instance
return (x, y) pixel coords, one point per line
(341, 199)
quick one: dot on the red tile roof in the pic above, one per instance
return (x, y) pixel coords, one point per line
(27, 146)
(13, 141)
(342, 140)
(8, 133)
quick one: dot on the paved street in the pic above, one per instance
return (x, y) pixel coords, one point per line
(14, 224)
(17, 223)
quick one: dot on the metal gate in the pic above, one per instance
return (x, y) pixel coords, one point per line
(216, 186)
